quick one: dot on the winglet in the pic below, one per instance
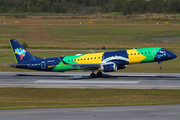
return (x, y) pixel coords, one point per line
(92, 51)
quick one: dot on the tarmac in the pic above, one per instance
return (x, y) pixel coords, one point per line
(154, 112)
(83, 80)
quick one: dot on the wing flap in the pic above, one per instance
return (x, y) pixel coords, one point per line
(85, 66)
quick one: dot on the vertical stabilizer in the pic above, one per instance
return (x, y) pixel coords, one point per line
(20, 53)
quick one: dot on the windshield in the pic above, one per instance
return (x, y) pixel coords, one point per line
(162, 51)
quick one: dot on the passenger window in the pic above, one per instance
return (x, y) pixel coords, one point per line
(84, 58)
(88, 58)
(145, 52)
(141, 53)
(99, 57)
(95, 58)
(134, 53)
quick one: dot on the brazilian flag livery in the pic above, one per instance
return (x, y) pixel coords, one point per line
(103, 61)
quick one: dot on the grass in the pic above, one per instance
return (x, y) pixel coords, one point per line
(22, 98)
(72, 35)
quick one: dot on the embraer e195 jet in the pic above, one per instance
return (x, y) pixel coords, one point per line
(103, 61)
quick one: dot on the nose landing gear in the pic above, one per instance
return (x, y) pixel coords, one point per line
(159, 65)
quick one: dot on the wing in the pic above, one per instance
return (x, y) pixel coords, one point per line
(86, 66)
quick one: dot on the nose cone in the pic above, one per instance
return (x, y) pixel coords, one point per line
(172, 55)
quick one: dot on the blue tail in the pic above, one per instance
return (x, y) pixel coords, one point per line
(20, 53)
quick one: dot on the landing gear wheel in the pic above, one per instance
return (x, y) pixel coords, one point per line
(159, 67)
(99, 74)
(159, 63)
(92, 75)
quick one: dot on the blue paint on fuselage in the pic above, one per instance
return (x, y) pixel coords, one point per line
(43, 64)
(164, 54)
(116, 54)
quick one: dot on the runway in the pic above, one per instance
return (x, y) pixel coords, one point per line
(82, 80)
(155, 112)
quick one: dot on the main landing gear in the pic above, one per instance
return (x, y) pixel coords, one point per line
(93, 75)
(159, 67)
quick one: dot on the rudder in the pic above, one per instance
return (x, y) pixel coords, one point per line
(20, 53)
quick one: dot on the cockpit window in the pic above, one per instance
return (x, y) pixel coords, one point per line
(162, 51)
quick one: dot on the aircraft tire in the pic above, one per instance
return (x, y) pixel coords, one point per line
(159, 67)
(92, 75)
(99, 74)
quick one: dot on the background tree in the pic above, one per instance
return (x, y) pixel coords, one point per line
(90, 6)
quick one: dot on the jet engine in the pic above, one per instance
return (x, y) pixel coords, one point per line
(122, 67)
(109, 67)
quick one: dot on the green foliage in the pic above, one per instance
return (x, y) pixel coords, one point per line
(103, 47)
(90, 6)
(25, 45)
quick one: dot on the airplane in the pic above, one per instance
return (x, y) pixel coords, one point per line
(103, 61)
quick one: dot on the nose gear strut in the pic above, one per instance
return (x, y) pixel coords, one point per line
(159, 65)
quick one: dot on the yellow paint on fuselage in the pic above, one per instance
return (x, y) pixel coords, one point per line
(90, 58)
(134, 56)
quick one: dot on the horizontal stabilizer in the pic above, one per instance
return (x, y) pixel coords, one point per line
(18, 65)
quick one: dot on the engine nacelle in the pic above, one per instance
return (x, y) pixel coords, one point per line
(122, 67)
(109, 67)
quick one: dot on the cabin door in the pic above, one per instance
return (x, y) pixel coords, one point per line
(43, 65)
(154, 53)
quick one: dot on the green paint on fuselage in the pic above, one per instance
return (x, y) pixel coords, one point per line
(149, 53)
(61, 67)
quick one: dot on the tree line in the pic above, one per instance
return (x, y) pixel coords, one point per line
(90, 6)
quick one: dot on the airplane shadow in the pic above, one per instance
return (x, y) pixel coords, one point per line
(104, 76)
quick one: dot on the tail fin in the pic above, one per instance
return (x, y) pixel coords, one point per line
(20, 53)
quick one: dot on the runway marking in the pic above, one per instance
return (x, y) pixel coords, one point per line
(143, 75)
(86, 82)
